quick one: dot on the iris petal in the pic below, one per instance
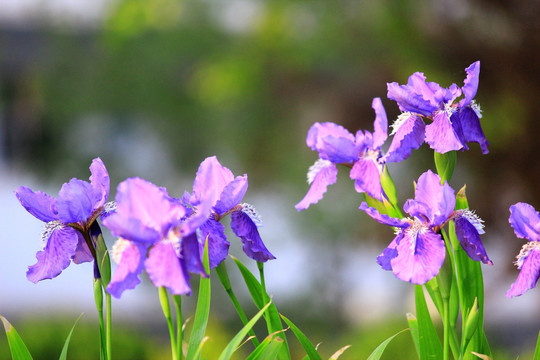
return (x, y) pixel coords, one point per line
(528, 276)
(165, 269)
(56, 255)
(244, 227)
(525, 220)
(130, 257)
(326, 175)
(76, 201)
(470, 240)
(218, 246)
(38, 203)
(367, 176)
(100, 181)
(440, 134)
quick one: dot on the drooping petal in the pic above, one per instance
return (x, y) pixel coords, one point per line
(472, 130)
(232, 195)
(366, 174)
(470, 241)
(440, 134)
(409, 133)
(333, 142)
(56, 256)
(525, 220)
(82, 252)
(380, 133)
(470, 85)
(323, 173)
(130, 259)
(218, 246)
(38, 203)
(420, 256)
(439, 200)
(100, 181)
(385, 258)
(191, 253)
(383, 218)
(243, 226)
(76, 201)
(529, 274)
(165, 268)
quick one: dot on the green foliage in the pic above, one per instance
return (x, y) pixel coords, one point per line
(19, 351)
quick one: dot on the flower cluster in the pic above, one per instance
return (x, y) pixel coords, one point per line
(158, 233)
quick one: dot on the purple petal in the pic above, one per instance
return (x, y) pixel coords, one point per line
(333, 142)
(529, 274)
(526, 221)
(470, 85)
(39, 204)
(383, 218)
(323, 173)
(82, 252)
(380, 125)
(57, 254)
(440, 134)
(210, 180)
(384, 260)
(165, 269)
(471, 128)
(232, 195)
(144, 205)
(367, 176)
(243, 226)
(420, 256)
(218, 246)
(470, 241)
(130, 229)
(416, 96)
(438, 201)
(100, 181)
(76, 201)
(192, 254)
(130, 258)
(409, 135)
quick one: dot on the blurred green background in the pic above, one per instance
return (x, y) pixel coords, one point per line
(155, 86)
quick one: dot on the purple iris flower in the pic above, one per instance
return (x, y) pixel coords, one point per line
(526, 223)
(217, 193)
(361, 152)
(147, 221)
(417, 252)
(454, 124)
(67, 217)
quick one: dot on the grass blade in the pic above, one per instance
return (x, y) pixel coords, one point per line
(271, 352)
(19, 351)
(63, 354)
(428, 341)
(304, 341)
(237, 340)
(379, 350)
(202, 312)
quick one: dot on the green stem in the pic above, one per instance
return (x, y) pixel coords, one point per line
(165, 306)
(447, 329)
(177, 299)
(98, 298)
(223, 276)
(108, 324)
(260, 265)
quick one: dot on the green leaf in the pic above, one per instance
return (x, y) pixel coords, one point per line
(304, 341)
(237, 339)
(445, 164)
(271, 352)
(377, 353)
(413, 325)
(19, 351)
(253, 285)
(63, 354)
(429, 343)
(259, 349)
(201, 313)
(537, 350)
(338, 353)
(388, 186)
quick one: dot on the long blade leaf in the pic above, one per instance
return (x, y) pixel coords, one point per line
(429, 343)
(63, 354)
(304, 341)
(19, 351)
(379, 350)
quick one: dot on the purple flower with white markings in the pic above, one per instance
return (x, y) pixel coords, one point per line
(217, 193)
(147, 221)
(526, 223)
(454, 124)
(417, 252)
(360, 152)
(68, 219)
